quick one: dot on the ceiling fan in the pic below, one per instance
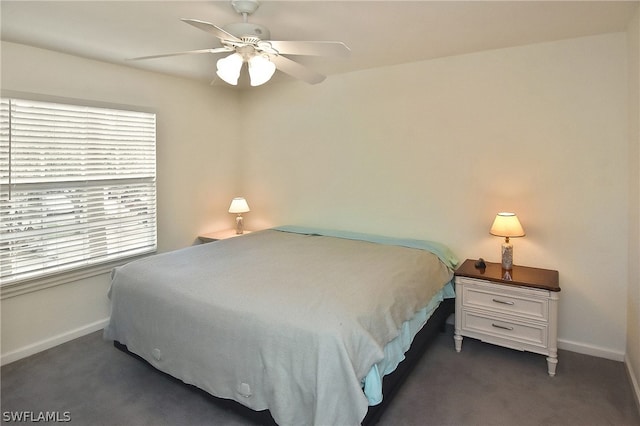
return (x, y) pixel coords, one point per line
(249, 43)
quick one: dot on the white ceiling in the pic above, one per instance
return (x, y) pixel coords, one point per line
(378, 32)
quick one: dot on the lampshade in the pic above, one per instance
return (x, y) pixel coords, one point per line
(229, 68)
(507, 225)
(261, 69)
(239, 205)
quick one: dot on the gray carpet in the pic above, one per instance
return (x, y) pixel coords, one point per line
(97, 384)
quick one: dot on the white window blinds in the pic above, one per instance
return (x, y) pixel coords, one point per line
(77, 187)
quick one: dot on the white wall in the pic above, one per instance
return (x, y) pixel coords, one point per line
(633, 298)
(196, 176)
(432, 149)
(435, 149)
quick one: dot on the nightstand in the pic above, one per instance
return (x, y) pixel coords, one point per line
(518, 310)
(220, 235)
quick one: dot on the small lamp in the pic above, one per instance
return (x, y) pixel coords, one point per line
(507, 225)
(239, 205)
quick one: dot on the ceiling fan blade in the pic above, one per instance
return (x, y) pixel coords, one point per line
(188, 52)
(211, 29)
(312, 48)
(296, 70)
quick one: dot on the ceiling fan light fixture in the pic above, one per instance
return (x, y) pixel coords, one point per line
(229, 68)
(252, 43)
(261, 69)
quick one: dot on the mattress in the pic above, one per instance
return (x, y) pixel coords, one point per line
(287, 321)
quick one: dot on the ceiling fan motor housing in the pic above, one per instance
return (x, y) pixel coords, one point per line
(246, 29)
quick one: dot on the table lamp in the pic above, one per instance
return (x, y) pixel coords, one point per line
(507, 225)
(239, 205)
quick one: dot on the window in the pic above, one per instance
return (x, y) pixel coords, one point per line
(77, 187)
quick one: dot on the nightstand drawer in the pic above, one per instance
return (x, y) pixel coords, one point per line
(515, 331)
(483, 296)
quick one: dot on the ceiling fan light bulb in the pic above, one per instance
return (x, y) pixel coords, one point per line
(229, 68)
(261, 69)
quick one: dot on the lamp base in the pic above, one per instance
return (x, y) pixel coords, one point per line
(239, 224)
(507, 256)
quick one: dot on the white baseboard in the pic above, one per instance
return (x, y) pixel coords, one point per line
(592, 350)
(52, 341)
(633, 378)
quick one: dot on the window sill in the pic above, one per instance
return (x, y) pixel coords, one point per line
(40, 283)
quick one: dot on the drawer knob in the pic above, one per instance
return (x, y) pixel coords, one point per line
(503, 302)
(503, 327)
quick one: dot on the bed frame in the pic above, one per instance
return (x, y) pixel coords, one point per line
(391, 383)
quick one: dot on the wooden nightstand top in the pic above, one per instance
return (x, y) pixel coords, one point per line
(520, 275)
(220, 235)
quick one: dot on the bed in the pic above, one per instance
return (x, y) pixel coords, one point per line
(307, 324)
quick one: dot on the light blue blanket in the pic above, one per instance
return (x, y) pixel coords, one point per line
(306, 315)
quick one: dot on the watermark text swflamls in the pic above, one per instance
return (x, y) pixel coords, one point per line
(36, 416)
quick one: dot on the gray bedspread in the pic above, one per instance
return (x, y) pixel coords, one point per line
(274, 320)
